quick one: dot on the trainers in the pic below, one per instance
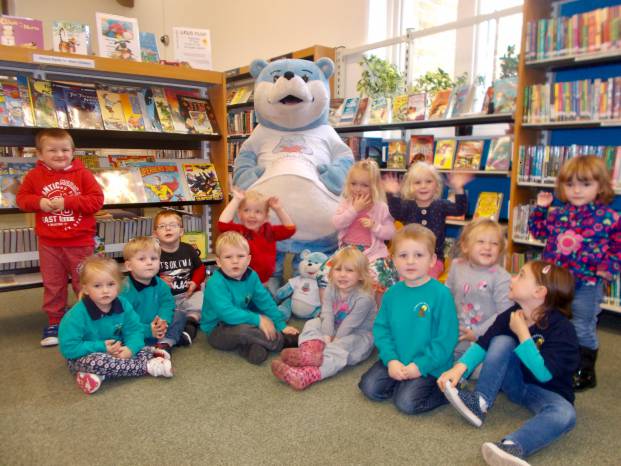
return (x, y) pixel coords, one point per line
(253, 353)
(50, 336)
(159, 367)
(466, 403)
(191, 328)
(290, 341)
(502, 454)
(88, 382)
(185, 339)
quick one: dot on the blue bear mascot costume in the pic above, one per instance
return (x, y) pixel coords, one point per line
(293, 153)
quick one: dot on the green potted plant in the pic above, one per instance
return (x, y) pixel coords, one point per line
(509, 63)
(379, 78)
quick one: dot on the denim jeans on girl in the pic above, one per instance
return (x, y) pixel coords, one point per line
(585, 309)
(554, 415)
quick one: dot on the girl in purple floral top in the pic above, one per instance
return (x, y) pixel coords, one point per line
(584, 236)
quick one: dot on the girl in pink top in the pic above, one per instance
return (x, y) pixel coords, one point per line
(363, 220)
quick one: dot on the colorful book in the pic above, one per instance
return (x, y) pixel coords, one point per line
(500, 153)
(468, 155)
(444, 154)
(198, 115)
(172, 96)
(198, 240)
(118, 37)
(21, 32)
(43, 103)
(149, 110)
(148, 47)
(164, 112)
(162, 182)
(440, 101)
(11, 177)
(111, 109)
(362, 114)
(350, 108)
(60, 104)
(396, 155)
(132, 110)
(4, 114)
(417, 106)
(379, 110)
(421, 149)
(202, 181)
(122, 161)
(336, 109)
(13, 103)
(505, 94)
(24, 94)
(121, 185)
(399, 108)
(460, 101)
(83, 108)
(71, 37)
(488, 205)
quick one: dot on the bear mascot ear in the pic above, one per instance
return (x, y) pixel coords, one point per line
(256, 67)
(304, 254)
(326, 66)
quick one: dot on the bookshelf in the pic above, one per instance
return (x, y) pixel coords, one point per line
(97, 70)
(537, 68)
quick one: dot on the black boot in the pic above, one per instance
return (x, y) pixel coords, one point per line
(584, 378)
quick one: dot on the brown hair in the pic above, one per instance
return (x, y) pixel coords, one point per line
(141, 243)
(94, 266)
(586, 168)
(418, 170)
(415, 232)
(231, 238)
(52, 133)
(470, 231)
(375, 179)
(560, 285)
(164, 214)
(352, 255)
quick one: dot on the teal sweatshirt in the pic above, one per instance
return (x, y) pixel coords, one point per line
(154, 299)
(237, 302)
(84, 329)
(419, 325)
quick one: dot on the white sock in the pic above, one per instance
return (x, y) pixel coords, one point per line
(482, 404)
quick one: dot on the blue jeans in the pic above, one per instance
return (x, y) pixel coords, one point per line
(554, 415)
(409, 396)
(585, 309)
(173, 333)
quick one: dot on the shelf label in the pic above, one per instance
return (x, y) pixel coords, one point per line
(63, 61)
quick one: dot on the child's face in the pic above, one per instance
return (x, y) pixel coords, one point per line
(345, 277)
(424, 188)
(55, 153)
(484, 249)
(413, 260)
(144, 265)
(581, 193)
(252, 215)
(360, 183)
(233, 261)
(523, 286)
(168, 230)
(102, 289)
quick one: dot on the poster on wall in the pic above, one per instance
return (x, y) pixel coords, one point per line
(23, 32)
(118, 37)
(192, 46)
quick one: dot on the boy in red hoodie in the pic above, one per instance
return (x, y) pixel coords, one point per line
(65, 196)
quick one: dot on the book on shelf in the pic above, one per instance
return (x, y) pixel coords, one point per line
(198, 115)
(396, 155)
(240, 95)
(380, 110)
(444, 153)
(421, 149)
(123, 160)
(24, 92)
(12, 103)
(162, 182)
(350, 107)
(400, 108)
(202, 181)
(335, 111)
(439, 103)
(60, 104)
(499, 154)
(4, 117)
(505, 94)
(198, 240)
(450, 196)
(488, 101)
(118, 37)
(89, 160)
(362, 114)
(71, 37)
(149, 111)
(11, 177)
(164, 112)
(172, 97)
(468, 156)
(111, 109)
(21, 32)
(83, 108)
(460, 101)
(42, 102)
(132, 110)
(148, 48)
(121, 185)
(417, 106)
(488, 205)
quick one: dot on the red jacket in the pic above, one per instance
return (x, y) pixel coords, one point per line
(74, 226)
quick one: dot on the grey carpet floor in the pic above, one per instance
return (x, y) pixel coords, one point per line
(218, 409)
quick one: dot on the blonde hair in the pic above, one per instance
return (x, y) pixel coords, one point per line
(141, 243)
(416, 171)
(375, 180)
(586, 168)
(414, 232)
(231, 238)
(165, 214)
(52, 133)
(94, 266)
(253, 196)
(560, 285)
(359, 262)
(475, 227)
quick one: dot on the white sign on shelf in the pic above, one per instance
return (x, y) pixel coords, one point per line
(63, 61)
(193, 46)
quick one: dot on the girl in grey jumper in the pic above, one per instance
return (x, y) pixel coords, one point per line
(478, 282)
(342, 335)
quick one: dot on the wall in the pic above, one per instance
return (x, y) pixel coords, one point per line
(241, 30)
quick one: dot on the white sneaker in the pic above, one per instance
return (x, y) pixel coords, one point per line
(501, 455)
(88, 382)
(159, 367)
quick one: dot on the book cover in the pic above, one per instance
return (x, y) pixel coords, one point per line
(90, 161)
(172, 96)
(4, 114)
(118, 37)
(43, 103)
(121, 185)
(500, 153)
(198, 115)
(417, 106)
(132, 110)
(162, 182)
(11, 176)
(202, 181)
(396, 155)
(58, 92)
(450, 196)
(399, 108)
(488, 205)
(421, 149)
(379, 111)
(83, 108)
(71, 37)
(21, 32)
(13, 103)
(350, 107)
(444, 154)
(241, 95)
(362, 114)
(148, 47)
(335, 111)
(164, 113)
(460, 101)
(24, 94)
(122, 160)
(505, 93)
(198, 240)
(468, 155)
(111, 109)
(149, 110)
(440, 101)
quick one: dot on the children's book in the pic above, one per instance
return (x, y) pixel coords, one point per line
(417, 106)
(460, 101)
(421, 149)
(469, 155)
(118, 37)
(198, 240)
(149, 110)
(21, 32)
(4, 115)
(148, 48)
(350, 107)
(396, 154)
(122, 160)
(399, 108)
(13, 103)
(58, 92)
(202, 181)
(198, 115)
(83, 108)
(488, 101)
(132, 110)
(24, 93)
(71, 37)
(241, 95)
(488, 205)
(89, 160)
(162, 182)
(362, 114)
(335, 112)
(11, 177)
(43, 103)
(164, 112)
(505, 94)
(121, 185)
(499, 155)
(111, 109)
(172, 96)
(379, 110)
(450, 196)
(444, 154)
(440, 101)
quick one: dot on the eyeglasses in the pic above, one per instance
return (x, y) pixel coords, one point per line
(166, 226)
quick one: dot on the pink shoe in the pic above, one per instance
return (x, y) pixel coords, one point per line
(310, 353)
(297, 377)
(89, 383)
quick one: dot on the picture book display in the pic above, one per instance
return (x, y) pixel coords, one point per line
(198, 240)
(164, 112)
(198, 115)
(24, 94)
(468, 155)
(399, 108)
(118, 37)
(111, 109)
(122, 160)
(417, 105)
(21, 32)
(202, 181)
(460, 101)
(379, 110)
(149, 111)
(43, 103)
(440, 101)
(148, 48)
(362, 113)
(350, 107)
(162, 182)
(396, 155)
(488, 205)
(335, 111)
(12, 103)
(83, 108)
(11, 176)
(132, 110)
(505, 94)
(421, 149)
(121, 185)
(172, 97)
(71, 37)
(60, 104)
(499, 155)
(444, 154)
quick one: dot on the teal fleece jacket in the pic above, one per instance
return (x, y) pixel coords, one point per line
(419, 325)
(236, 302)
(84, 329)
(154, 299)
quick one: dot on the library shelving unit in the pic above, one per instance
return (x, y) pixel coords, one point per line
(602, 64)
(43, 64)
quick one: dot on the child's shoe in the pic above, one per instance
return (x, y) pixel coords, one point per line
(191, 328)
(468, 404)
(159, 352)
(310, 353)
(159, 367)
(185, 339)
(88, 382)
(502, 454)
(298, 377)
(50, 336)
(254, 353)
(290, 341)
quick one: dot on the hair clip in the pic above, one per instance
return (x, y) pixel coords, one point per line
(546, 269)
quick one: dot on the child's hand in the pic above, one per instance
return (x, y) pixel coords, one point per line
(113, 347)
(124, 353)
(367, 222)
(191, 289)
(517, 324)
(274, 203)
(396, 370)
(359, 203)
(412, 371)
(238, 194)
(544, 199)
(289, 330)
(158, 327)
(267, 327)
(466, 333)
(457, 181)
(453, 375)
(45, 205)
(58, 203)
(391, 183)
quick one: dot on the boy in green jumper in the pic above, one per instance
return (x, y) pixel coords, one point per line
(238, 311)
(415, 331)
